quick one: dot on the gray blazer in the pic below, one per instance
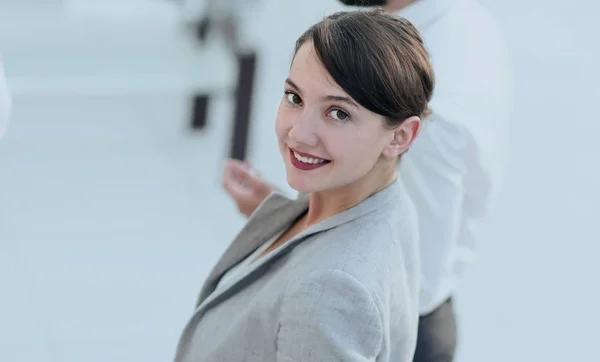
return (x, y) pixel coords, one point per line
(343, 290)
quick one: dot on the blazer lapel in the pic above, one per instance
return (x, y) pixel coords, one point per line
(275, 213)
(272, 216)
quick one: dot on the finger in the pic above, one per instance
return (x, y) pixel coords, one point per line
(233, 170)
(235, 186)
(240, 180)
(254, 172)
(251, 180)
(236, 166)
(245, 184)
(235, 175)
(243, 170)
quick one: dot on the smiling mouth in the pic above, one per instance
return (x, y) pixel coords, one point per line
(306, 163)
(308, 160)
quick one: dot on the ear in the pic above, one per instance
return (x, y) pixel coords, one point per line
(404, 136)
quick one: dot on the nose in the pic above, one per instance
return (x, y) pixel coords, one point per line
(304, 130)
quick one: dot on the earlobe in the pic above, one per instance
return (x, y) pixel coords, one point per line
(389, 153)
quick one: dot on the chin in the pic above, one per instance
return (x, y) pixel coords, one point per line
(302, 183)
(298, 184)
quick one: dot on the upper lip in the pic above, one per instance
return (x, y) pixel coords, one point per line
(304, 154)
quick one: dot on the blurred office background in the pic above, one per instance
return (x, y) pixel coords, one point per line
(111, 206)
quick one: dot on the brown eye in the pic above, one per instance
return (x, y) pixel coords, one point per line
(293, 98)
(338, 115)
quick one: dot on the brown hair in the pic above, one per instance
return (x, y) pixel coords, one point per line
(378, 59)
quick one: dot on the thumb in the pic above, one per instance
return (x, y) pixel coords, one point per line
(236, 168)
(239, 177)
(251, 169)
(254, 181)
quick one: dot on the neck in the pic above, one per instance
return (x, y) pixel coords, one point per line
(326, 204)
(393, 6)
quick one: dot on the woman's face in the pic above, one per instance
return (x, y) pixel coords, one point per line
(326, 138)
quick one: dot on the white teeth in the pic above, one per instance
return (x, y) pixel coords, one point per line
(307, 159)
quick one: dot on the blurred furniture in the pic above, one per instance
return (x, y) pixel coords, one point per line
(108, 47)
(226, 19)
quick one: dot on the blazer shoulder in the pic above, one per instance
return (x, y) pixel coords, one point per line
(374, 249)
(394, 220)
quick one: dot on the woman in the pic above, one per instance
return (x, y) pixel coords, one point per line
(334, 275)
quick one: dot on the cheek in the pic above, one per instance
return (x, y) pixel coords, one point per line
(344, 146)
(358, 150)
(280, 124)
(284, 121)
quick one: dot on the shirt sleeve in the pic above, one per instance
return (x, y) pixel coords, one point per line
(329, 316)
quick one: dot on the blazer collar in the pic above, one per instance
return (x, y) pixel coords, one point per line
(273, 215)
(275, 212)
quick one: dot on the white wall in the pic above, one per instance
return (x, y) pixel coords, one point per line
(110, 210)
(108, 222)
(111, 214)
(531, 295)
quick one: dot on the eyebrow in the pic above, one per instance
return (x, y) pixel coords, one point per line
(326, 98)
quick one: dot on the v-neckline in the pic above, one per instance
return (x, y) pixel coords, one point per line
(276, 241)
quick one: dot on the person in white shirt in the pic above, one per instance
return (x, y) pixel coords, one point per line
(5, 101)
(453, 170)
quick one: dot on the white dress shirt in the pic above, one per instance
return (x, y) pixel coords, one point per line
(453, 169)
(5, 101)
